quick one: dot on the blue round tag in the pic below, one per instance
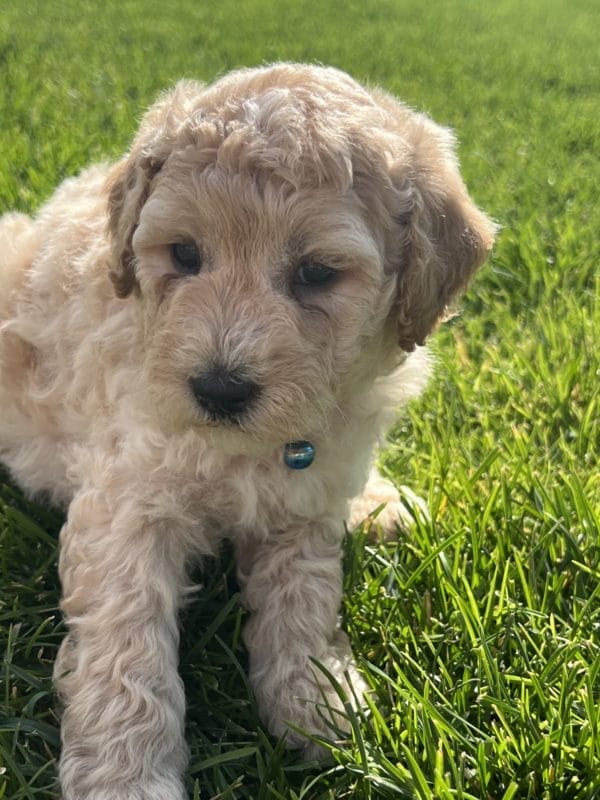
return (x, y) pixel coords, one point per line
(298, 455)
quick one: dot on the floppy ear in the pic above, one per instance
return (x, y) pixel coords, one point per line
(129, 183)
(128, 187)
(445, 237)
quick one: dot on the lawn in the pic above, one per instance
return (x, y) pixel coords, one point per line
(479, 631)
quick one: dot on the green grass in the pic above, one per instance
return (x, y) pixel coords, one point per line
(480, 631)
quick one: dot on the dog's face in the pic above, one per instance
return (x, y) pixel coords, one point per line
(261, 301)
(289, 236)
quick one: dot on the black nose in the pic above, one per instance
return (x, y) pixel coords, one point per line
(223, 394)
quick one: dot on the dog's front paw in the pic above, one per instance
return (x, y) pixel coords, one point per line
(150, 789)
(313, 700)
(386, 508)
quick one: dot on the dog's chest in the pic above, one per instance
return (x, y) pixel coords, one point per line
(262, 495)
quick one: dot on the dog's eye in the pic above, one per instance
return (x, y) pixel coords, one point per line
(186, 258)
(311, 273)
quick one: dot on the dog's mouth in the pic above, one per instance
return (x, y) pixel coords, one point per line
(249, 414)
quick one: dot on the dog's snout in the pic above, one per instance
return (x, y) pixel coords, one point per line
(223, 394)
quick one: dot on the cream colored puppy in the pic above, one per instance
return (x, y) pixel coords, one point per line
(258, 271)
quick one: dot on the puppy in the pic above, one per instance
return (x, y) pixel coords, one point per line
(245, 293)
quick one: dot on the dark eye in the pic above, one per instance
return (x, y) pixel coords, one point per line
(311, 273)
(186, 258)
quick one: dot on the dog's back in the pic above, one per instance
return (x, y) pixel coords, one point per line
(48, 264)
(18, 245)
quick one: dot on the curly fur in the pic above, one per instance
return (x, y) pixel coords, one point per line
(100, 333)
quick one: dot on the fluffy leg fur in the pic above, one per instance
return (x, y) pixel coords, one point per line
(292, 584)
(122, 726)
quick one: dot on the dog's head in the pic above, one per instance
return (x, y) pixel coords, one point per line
(289, 235)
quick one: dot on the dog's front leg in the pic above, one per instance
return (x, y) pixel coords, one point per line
(292, 584)
(122, 729)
